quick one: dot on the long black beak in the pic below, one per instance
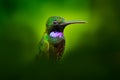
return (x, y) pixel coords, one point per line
(72, 22)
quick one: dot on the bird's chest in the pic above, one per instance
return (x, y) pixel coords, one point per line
(56, 43)
(57, 46)
(56, 49)
(55, 40)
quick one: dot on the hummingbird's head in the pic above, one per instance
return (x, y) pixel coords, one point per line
(57, 24)
(54, 24)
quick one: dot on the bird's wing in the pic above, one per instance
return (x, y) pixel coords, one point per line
(44, 47)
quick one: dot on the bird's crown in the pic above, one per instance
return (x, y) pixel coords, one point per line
(54, 20)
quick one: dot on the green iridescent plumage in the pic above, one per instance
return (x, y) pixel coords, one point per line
(54, 18)
(52, 43)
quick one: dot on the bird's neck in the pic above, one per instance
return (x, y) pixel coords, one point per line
(56, 34)
(56, 37)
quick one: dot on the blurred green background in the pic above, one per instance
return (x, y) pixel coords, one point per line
(92, 50)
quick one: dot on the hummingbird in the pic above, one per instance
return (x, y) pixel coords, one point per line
(52, 44)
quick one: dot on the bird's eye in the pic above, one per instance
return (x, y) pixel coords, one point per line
(55, 22)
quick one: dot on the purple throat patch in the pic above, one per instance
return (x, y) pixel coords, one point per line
(56, 34)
